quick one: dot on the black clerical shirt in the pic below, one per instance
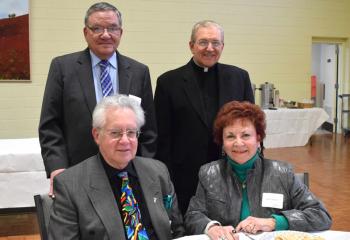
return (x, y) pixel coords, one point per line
(208, 83)
(116, 184)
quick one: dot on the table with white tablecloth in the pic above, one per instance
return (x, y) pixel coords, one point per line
(292, 127)
(22, 173)
(327, 235)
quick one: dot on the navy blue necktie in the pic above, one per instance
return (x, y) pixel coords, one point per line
(105, 78)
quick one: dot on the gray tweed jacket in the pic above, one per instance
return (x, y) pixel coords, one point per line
(85, 206)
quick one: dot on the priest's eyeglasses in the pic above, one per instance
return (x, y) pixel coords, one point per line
(205, 43)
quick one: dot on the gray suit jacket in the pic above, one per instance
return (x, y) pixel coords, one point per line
(85, 206)
(219, 197)
(69, 100)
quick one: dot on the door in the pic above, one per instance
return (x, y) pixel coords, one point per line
(325, 68)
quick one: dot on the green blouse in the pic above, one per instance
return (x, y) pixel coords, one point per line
(241, 172)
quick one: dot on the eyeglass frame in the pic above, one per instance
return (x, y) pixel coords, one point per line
(117, 134)
(98, 30)
(204, 43)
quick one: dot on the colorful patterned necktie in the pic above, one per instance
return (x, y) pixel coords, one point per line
(106, 82)
(131, 212)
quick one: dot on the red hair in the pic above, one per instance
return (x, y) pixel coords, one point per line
(235, 110)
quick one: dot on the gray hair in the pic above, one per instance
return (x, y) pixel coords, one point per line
(102, 6)
(205, 24)
(118, 101)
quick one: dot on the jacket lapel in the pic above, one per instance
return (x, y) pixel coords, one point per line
(124, 74)
(193, 94)
(102, 199)
(151, 190)
(232, 186)
(86, 79)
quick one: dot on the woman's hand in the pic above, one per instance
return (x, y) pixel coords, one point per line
(222, 233)
(254, 225)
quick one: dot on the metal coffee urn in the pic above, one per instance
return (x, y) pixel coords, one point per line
(267, 95)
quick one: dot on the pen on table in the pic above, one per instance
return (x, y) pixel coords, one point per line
(248, 236)
(245, 234)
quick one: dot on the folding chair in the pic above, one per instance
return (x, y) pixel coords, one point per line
(43, 207)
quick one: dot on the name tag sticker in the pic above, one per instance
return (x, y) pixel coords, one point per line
(272, 200)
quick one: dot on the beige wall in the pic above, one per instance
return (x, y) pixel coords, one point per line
(269, 38)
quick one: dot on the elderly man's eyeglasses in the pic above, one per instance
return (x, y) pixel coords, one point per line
(117, 134)
(115, 30)
(205, 43)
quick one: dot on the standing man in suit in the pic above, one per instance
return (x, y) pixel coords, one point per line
(186, 102)
(74, 86)
(97, 198)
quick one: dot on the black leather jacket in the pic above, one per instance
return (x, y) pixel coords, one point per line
(219, 197)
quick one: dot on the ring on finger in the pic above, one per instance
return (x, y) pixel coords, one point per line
(222, 238)
(233, 232)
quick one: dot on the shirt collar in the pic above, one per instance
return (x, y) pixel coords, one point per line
(95, 60)
(245, 166)
(203, 69)
(113, 172)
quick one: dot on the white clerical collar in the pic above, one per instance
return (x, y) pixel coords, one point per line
(205, 69)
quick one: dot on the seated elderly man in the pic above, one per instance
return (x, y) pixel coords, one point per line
(114, 194)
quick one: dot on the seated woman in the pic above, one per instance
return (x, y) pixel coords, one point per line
(246, 190)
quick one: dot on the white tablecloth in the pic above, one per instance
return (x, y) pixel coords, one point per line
(22, 173)
(327, 235)
(292, 127)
